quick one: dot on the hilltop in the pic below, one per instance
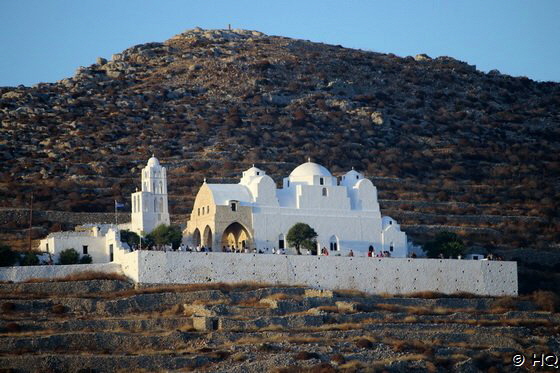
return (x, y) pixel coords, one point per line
(448, 146)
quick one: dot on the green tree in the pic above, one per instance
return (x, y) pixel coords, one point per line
(69, 256)
(130, 238)
(8, 257)
(86, 259)
(29, 258)
(446, 243)
(301, 235)
(166, 235)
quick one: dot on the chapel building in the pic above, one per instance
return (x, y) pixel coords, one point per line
(255, 214)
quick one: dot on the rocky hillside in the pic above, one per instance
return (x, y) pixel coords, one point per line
(108, 326)
(448, 146)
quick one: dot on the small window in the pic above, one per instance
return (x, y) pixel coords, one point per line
(258, 173)
(111, 252)
(207, 209)
(357, 177)
(321, 181)
(324, 192)
(390, 222)
(84, 249)
(47, 247)
(198, 211)
(288, 183)
(233, 206)
(391, 248)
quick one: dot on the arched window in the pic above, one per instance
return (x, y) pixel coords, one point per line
(321, 181)
(333, 243)
(391, 247)
(325, 192)
(154, 187)
(161, 204)
(155, 205)
(161, 187)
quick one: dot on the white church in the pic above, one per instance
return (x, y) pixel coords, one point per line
(102, 241)
(254, 214)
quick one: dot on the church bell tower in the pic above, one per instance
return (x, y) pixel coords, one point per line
(149, 206)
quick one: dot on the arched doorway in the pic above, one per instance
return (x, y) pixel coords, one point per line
(207, 237)
(281, 241)
(333, 243)
(196, 238)
(236, 236)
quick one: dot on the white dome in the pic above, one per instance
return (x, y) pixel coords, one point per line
(310, 169)
(153, 162)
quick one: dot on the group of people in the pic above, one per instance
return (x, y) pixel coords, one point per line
(281, 251)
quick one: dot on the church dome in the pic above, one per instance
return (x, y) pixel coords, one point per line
(310, 169)
(153, 161)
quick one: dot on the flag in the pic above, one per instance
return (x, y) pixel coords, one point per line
(118, 205)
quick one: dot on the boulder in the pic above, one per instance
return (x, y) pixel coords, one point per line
(377, 118)
(422, 57)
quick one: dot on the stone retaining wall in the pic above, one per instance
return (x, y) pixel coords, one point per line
(21, 216)
(372, 275)
(20, 274)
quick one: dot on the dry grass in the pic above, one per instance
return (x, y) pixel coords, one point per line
(12, 327)
(175, 310)
(437, 295)
(503, 304)
(272, 328)
(253, 303)
(284, 296)
(239, 357)
(546, 300)
(58, 309)
(305, 355)
(364, 343)
(8, 307)
(83, 276)
(187, 288)
(211, 302)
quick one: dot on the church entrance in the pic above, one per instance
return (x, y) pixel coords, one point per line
(207, 237)
(196, 238)
(236, 236)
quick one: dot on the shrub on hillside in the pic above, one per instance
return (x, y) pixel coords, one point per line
(69, 256)
(8, 257)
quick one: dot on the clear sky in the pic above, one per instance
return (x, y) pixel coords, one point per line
(46, 40)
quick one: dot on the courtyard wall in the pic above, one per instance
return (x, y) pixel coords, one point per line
(372, 275)
(21, 274)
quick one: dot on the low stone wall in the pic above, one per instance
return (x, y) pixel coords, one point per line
(20, 274)
(21, 216)
(372, 275)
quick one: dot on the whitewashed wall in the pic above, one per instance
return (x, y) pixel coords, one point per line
(373, 275)
(20, 274)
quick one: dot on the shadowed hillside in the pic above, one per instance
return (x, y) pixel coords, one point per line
(108, 326)
(449, 147)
